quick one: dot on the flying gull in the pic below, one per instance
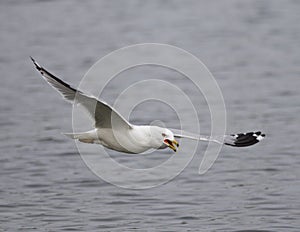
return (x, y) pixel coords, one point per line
(113, 131)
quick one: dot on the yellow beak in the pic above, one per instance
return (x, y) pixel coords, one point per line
(172, 144)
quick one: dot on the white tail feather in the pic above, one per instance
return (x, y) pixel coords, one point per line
(71, 135)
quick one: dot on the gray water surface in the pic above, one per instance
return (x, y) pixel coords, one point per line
(251, 48)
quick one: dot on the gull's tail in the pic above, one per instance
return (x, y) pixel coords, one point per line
(235, 140)
(85, 137)
(72, 135)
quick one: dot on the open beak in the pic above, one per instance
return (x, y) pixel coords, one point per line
(172, 144)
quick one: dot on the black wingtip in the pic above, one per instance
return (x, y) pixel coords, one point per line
(246, 139)
(38, 67)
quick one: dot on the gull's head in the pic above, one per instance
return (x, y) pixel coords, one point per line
(168, 139)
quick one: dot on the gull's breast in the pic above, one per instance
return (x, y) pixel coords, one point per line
(122, 141)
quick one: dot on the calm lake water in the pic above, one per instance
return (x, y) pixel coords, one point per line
(251, 48)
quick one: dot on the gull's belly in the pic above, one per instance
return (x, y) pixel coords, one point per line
(119, 141)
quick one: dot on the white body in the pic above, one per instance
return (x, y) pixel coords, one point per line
(136, 140)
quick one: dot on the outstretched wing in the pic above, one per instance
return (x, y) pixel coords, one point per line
(100, 111)
(235, 140)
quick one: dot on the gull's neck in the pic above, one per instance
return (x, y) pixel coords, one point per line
(147, 135)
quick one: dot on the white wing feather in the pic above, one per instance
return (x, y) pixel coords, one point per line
(235, 140)
(100, 111)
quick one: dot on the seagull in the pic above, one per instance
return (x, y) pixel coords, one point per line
(113, 131)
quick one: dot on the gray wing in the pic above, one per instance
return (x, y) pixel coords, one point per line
(100, 111)
(235, 140)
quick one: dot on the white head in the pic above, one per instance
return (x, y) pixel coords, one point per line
(163, 138)
(168, 139)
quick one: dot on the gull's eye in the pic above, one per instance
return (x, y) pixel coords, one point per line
(163, 134)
